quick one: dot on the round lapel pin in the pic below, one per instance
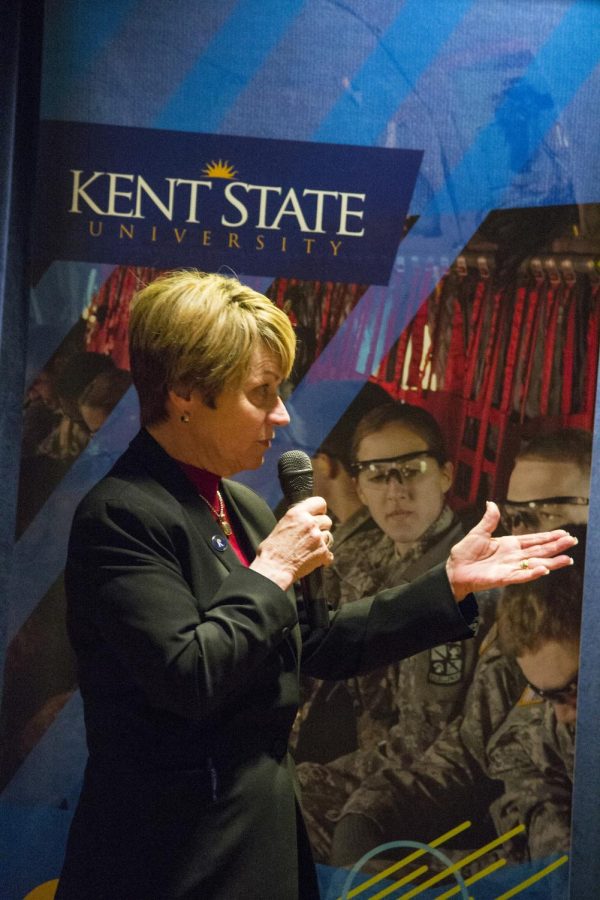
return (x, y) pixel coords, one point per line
(219, 543)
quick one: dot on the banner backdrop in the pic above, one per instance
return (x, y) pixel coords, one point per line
(417, 185)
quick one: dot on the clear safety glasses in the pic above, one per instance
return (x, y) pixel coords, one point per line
(376, 474)
(566, 694)
(542, 514)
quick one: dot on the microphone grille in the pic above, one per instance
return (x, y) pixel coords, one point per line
(295, 475)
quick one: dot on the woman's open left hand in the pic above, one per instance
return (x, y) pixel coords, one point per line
(481, 561)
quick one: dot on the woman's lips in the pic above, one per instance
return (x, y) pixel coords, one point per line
(399, 514)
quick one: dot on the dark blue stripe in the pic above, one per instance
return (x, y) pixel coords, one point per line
(74, 33)
(388, 77)
(235, 54)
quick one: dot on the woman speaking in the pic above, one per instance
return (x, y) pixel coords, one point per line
(183, 616)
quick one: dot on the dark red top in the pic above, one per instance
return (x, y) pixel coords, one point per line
(207, 484)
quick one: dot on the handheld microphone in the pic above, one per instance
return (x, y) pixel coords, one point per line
(296, 480)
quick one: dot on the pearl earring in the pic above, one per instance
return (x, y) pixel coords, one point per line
(185, 418)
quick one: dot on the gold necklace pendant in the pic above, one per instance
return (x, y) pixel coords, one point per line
(219, 514)
(224, 524)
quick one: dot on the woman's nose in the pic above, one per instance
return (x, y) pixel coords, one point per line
(394, 483)
(279, 414)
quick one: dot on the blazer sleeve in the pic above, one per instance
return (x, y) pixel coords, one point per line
(129, 599)
(391, 625)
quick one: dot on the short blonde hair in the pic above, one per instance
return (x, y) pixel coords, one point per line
(192, 330)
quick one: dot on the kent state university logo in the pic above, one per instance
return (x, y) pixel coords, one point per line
(128, 195)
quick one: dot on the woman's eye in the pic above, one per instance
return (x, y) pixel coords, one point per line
(266, 394)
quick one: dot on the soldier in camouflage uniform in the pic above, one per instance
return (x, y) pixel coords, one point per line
(532, 753)
(354, 530)
(320, 727)
(355, 534)
(403, 707)
(387, 800)
(451, 781)
(357, 539)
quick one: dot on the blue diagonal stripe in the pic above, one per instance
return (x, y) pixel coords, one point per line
(302, 78)
(45, 541)
(75, 283)
(237, 51)
(466, 199)
(387, 77)
(74, 33)
(52, 772)
(486, 170)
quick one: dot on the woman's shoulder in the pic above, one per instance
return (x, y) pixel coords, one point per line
(124, 488)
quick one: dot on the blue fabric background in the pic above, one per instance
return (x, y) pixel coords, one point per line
(450, 77)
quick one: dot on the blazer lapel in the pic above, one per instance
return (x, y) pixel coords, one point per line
(165, 470)
(256, 527)
(246, 517)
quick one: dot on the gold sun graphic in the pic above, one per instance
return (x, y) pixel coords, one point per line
(220, 169)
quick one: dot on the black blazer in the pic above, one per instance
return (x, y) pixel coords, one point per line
(188, 666)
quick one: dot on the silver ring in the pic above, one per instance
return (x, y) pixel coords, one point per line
(524, 564)
(328, 540)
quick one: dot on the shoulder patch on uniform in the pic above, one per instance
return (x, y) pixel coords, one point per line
(446, 663)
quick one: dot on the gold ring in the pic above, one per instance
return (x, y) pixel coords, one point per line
(329, 540)
(525, 564)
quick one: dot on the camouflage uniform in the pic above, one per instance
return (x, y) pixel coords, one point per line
(446, 784)
(358, 538)
(401, 709)
(532, 753)
(364, 567)
(355, 539)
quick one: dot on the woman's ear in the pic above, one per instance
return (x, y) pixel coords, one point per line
(179, 401)
(447, 474)
(326, 463)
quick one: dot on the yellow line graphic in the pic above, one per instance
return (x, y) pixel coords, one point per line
(401, 882)
(406, 861)
(463, 862)
(493, 867)
(476, 877)
(541, 874)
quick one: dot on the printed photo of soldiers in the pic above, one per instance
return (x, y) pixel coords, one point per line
(452, 780)
(402, 475)
(504, 356)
